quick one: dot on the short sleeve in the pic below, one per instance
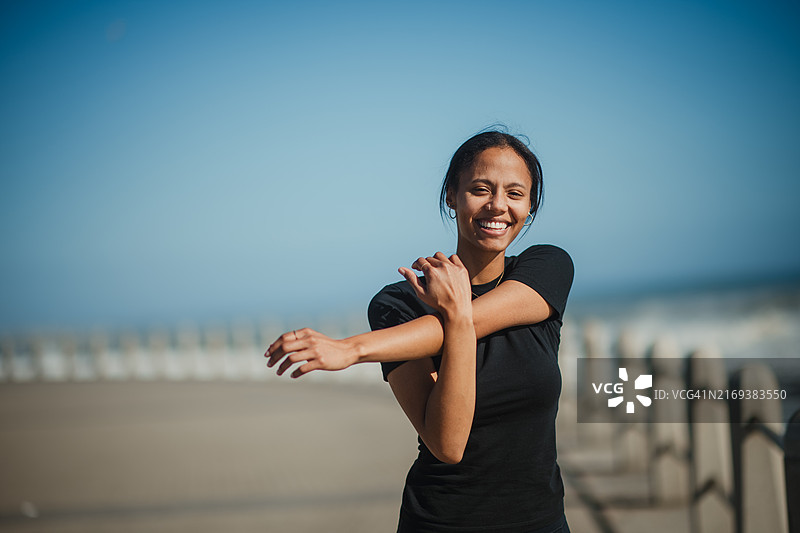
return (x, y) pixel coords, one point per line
(548, 270)
(387, 309)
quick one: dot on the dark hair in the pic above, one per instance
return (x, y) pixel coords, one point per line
(467, 152)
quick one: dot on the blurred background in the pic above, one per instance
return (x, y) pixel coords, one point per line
(200, 161)
(196, 177)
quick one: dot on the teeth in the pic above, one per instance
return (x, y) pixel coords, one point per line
(488, 224)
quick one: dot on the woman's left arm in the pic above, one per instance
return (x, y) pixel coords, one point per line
(512, 303)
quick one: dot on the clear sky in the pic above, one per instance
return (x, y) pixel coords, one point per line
(206, 160)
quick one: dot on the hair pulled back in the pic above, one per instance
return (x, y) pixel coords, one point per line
(465, 156)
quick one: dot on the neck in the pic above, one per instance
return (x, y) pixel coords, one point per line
(482, 266)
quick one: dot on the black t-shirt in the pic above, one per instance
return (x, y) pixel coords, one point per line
(508, 480)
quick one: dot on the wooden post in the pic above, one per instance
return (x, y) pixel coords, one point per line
(243, 351)
(759, 486)
(157, 343)
(69, 351)
(37, 358)
(6, 358)
(98, 351)
(129, 352)
(215, 344)
(711, 484)
(669, 429)
(54, 361)
(632, 441)
(188, 349)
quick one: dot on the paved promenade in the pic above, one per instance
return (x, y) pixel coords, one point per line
(275, 456)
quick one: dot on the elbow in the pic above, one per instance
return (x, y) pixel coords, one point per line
(451, 458)
(448, 444)
(452, 454)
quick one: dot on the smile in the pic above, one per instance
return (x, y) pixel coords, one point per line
(493, 224)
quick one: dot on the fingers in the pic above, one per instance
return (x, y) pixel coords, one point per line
(456, 261)
(289, 342)
(412, 279)
(292, 359)
(438, 259)
(314, 362)
(408, 274)
(306, 368)
(304, 332)
(428, 266)
(291, 351)
(293, 347)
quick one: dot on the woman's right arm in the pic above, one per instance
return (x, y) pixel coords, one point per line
(441, 405)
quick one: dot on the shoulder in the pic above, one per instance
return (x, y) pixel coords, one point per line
(395, 304)
(548, 270)
(554, 256)
(395, 292)
(546, 250)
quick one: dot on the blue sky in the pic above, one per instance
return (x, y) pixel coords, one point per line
(200, 160)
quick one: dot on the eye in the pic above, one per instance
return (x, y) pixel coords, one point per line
(516, 194)
(480, 190)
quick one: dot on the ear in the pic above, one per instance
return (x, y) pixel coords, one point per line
(450, 199)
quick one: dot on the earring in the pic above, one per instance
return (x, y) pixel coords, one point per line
(451, 213)
(526, 223)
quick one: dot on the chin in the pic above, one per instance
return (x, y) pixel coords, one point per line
(494, 246)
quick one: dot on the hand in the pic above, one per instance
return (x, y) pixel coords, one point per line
(319, 351)
(447, 286)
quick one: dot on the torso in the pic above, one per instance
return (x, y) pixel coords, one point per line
(508, 479)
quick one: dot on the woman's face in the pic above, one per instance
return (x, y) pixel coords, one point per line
(492, 201)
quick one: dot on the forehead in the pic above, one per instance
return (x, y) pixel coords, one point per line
(501, 164)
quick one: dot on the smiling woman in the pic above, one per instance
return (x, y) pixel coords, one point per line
(470, 351)
(493, 186)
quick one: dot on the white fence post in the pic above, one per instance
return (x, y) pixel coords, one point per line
(632, 446)
(761, 488)
(669, 429)
(6, 358)
(711, 463)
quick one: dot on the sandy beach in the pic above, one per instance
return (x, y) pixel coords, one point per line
(278, 456)
(169, 456)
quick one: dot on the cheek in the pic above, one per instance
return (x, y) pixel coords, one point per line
(521, 212)
(464, 225)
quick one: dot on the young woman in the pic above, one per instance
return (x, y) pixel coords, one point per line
(470, 352)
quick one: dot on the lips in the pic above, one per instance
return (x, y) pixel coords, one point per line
(493, 224)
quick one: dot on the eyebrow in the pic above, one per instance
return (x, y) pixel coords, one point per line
(508, 186)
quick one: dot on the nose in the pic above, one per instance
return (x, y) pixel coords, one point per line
(497, 203)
